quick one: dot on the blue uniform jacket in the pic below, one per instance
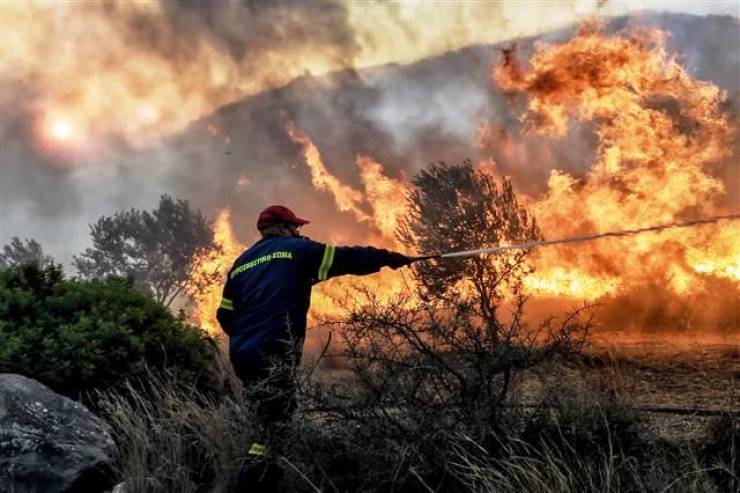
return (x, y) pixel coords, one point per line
(268, 289)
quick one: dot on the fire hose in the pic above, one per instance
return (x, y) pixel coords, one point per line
(577, 239)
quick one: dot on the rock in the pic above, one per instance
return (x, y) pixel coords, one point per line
(119, 488)
(49, 443)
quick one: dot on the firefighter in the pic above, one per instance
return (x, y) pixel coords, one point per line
(263, 311)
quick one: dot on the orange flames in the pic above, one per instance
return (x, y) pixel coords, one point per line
(384, 199)
(346, 198)
(229, 248)
(379, 208)
(661, 138)
(384, 196)
(660, 133)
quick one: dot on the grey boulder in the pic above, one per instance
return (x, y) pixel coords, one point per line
(49, 443)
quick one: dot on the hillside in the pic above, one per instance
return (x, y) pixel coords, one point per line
(404, 117)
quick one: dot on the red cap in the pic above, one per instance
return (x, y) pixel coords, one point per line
(278, 214)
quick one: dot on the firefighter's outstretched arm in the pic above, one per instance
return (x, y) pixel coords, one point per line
(341, 260)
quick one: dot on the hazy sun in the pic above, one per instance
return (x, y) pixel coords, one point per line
(61, 130)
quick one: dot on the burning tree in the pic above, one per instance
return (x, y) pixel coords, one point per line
(159, 250)
(663, 138)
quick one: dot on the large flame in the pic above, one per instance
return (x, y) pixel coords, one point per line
(220, 261)
(386, 196)
(661, 138)
(346, 198)
(661, 134)
(379, 206)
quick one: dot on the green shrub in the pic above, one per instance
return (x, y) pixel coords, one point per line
(76, 336)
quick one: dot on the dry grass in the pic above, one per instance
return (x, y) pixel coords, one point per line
(549, 466)
(172, 438)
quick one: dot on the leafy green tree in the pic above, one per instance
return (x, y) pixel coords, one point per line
(77, 336)
(160, 250)
(23, 252)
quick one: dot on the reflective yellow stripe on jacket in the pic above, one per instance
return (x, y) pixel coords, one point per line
(226, 304)
(326, 262)
(257, 449)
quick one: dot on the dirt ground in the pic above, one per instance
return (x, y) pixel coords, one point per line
(656, 374)
(652, 373)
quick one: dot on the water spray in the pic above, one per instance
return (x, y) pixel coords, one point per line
(578, 239)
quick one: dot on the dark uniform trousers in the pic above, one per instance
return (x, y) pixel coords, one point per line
(270, 387)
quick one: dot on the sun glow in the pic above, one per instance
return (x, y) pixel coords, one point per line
(61, 130)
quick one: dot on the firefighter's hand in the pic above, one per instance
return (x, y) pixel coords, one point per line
(397, 260)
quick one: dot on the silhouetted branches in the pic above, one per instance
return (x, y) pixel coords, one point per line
(160, 250)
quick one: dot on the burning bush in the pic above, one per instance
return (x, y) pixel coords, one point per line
(75, 336)
(423, 369)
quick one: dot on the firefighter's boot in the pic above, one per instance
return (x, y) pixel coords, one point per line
(257, 473)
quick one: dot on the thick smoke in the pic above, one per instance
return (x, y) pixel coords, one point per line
(119, 76)
(405, 117)
(140, 70)
(251, 29)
